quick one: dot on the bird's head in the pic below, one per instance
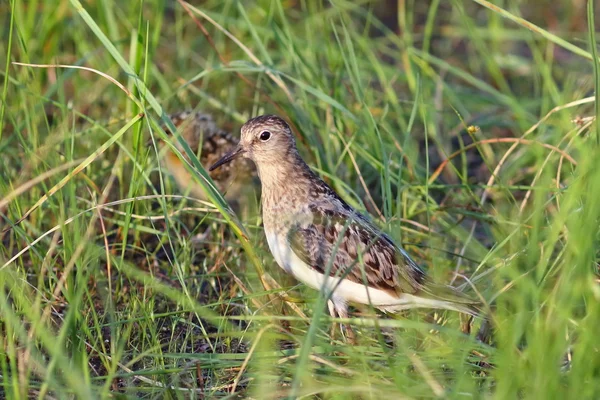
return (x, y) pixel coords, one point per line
(266, 140)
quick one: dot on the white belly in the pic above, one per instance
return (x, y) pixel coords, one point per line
(346, 290)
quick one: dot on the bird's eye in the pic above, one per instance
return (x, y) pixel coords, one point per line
(265, 135)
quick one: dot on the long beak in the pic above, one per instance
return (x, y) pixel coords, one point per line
(232, 155)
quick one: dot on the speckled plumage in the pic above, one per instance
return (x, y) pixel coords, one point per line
(209, 143)
(317, 237)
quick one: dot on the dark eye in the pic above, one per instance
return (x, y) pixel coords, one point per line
(265, 135)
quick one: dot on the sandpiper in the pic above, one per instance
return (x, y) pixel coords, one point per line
(209, 143)
(318, 238)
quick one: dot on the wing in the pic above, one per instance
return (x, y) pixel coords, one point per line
(348, 242)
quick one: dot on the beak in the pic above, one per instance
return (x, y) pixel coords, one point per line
(232, 155)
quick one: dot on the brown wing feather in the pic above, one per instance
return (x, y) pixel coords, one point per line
(347, 241)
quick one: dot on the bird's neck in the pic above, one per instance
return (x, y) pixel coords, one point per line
(287, 178)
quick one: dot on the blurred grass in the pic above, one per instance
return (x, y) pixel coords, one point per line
(108, 292)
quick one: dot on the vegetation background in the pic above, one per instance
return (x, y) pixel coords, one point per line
(465, 128)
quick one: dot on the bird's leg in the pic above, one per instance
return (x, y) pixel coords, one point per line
(333, 314)
(466, 321)
(339, 308)
(343, 313)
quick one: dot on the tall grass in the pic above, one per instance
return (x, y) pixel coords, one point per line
(466, 129)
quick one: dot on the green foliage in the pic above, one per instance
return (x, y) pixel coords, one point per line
(466, 129)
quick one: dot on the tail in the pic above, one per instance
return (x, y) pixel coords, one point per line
(448, 298)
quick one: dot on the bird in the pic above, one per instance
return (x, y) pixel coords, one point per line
(209, 143)
(314, 235)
